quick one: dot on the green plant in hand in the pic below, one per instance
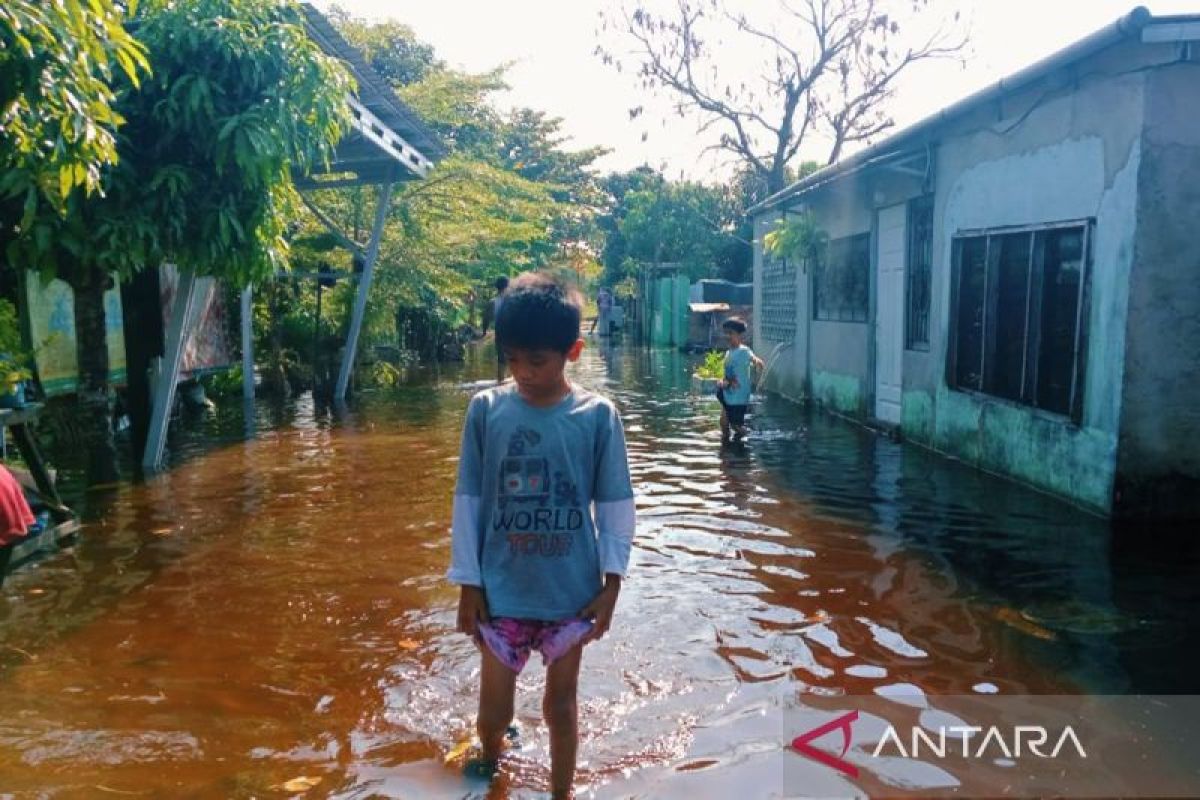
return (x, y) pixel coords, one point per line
(713, 366)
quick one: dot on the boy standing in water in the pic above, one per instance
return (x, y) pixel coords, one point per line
(543, 521)
(734, 389)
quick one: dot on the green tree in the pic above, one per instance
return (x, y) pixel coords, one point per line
(239, 98)
(687, 223)
(616, 186)
(455, 105)
(523, 141)
(703, 226)
(57, 120)
(389, 47)
(465, 224)
(510, 196)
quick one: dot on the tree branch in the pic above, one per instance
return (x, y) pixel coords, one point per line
(834, 69)
(333, 227)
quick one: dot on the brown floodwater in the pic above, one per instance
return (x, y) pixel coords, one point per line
(272, 608)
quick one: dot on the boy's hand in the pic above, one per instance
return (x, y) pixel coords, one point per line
(600, 610)
(472, 609)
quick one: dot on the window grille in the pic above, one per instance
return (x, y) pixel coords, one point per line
(919, 269)
(841, 278)
(777, 317)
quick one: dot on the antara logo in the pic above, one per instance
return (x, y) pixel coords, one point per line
(802, 744)
(1022, 739)
(992, 742)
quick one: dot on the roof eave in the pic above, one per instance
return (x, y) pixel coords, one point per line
(918, 134)
(372, 89)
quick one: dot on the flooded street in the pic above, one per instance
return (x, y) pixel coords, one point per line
(275, 608)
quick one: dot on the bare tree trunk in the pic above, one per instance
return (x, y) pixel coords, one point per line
(776, 178)
(93, 394)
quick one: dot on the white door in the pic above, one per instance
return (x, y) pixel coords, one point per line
(889, 311)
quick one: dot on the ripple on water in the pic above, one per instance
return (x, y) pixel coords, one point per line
(296, 618)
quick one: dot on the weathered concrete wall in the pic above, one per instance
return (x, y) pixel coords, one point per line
(1159, 449)
(837, 356)
(826, 361)
(1074, 156)
(1068, 148)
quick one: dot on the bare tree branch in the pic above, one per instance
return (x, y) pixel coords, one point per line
(830, 68)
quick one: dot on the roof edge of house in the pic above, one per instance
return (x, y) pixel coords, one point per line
(1127, 25)
(320, 26)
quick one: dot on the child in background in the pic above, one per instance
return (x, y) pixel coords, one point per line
(543, 521)
(734, 389)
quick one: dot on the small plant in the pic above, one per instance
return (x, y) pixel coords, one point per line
(226, 383)
(14, 358)
(795, 236)
(713, 366)
(383, 374)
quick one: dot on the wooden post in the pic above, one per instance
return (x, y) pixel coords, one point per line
(364, 287)
(247, 344)
(20, 421)
(164, 384)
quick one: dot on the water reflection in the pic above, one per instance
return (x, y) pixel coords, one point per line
(274, 608)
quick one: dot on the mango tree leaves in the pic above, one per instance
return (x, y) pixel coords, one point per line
(239, 96)
(57, 115)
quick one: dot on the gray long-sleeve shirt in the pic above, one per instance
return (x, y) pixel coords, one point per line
(544, 505)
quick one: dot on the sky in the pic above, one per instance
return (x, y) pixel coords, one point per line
(551, 44)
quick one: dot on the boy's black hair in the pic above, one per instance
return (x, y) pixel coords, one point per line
(539, 312)
(501, 283)
(735, 324)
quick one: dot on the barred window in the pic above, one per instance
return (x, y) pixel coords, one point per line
(777, 317)
(840, 280)
(920, 262)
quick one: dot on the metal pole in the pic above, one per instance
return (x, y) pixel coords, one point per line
(247, 345)
(364, 287)
(164, 389)
(316, 343)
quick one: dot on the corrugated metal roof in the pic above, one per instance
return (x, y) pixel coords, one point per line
(355, 153)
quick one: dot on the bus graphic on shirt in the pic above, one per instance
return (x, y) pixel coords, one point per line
(524, 479)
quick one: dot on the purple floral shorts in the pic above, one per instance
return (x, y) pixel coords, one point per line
(512, 640)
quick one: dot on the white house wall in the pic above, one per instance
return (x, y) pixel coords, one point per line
(839, 360)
